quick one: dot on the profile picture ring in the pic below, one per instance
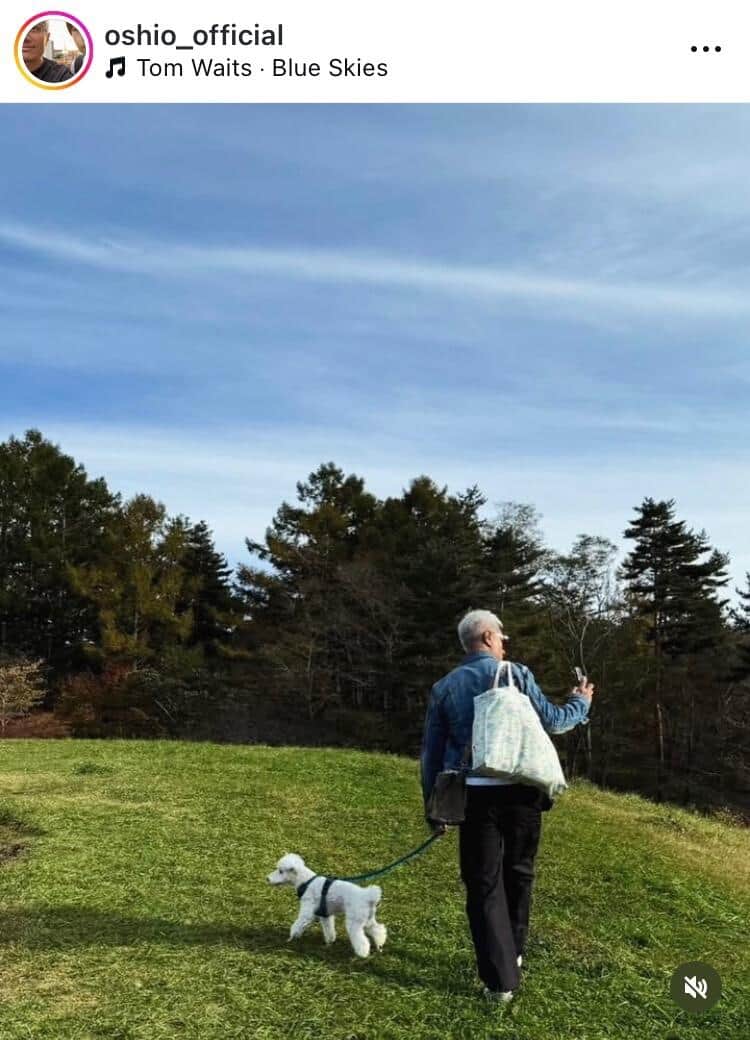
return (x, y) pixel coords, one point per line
(53, 50)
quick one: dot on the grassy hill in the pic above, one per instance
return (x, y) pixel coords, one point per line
(133, 904)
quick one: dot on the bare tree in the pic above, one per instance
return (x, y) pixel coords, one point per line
(583, 598)
(584, 607)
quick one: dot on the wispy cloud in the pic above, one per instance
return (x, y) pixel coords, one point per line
(180, 260)
(549, 301)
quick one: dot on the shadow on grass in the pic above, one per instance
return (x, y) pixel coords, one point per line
(13, 832)
(69, 927)
(66, 928)
(13, 824)
(10, 850)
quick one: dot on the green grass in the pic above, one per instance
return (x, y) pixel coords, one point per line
(135, 905)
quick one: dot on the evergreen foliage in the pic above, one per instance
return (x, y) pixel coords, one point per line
(207, 592)
(52, 518)
(741, 615)
(345, 614)
(673, 577)
(741, 618)
(137, 586)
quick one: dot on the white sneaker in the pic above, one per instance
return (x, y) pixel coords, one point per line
(498, 996)
(519, 960)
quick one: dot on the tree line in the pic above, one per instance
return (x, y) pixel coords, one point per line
(344, 615)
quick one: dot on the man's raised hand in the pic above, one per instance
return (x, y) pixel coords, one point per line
(585, 689)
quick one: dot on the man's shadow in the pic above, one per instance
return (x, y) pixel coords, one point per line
(70, 927)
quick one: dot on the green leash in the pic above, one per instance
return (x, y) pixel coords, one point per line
(392, 866)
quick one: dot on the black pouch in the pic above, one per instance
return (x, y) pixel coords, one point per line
(447, 801)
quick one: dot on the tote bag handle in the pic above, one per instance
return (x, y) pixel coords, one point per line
(511, 684)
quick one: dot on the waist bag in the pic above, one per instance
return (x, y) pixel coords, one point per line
(447, 801)
(509, 741)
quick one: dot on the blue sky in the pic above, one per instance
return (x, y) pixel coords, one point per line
(205, 302)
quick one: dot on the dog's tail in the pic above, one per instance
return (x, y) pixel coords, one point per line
(374, 895)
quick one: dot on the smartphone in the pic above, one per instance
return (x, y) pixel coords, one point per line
(579, 676)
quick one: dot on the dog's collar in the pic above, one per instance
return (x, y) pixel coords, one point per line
(301, 889)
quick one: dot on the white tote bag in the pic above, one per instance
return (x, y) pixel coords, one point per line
(509, 742)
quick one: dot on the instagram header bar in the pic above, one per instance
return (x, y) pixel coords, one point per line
(336, 51)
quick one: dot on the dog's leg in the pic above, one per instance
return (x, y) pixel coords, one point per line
(328, 924)
(360, 942)
(304, 918)
(377, 932)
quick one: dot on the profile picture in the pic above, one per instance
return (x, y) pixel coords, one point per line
(54, 52)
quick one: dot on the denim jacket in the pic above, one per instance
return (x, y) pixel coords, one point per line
(450, 712)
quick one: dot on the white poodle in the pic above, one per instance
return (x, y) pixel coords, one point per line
(323, 897)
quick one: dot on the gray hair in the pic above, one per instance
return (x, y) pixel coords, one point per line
(471, 626)
(44, 24)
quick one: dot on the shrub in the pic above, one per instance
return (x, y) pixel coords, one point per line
(115, 703)
(21, 689)
(40, 725)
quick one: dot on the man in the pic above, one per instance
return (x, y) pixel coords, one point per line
(33, 48)
(499, 838)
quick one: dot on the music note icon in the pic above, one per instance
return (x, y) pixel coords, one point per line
(115, 63)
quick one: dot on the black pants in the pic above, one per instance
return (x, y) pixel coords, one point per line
(497, 843)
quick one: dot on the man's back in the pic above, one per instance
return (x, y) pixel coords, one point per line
(450, 712)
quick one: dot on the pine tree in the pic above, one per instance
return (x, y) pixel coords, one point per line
(362, 599)
(52, 517)
(302, 620)
(673, 578)
(741, 618)
(208, 591)
(741, 614)
(138, 585)
(430, 547)
(323, 529)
